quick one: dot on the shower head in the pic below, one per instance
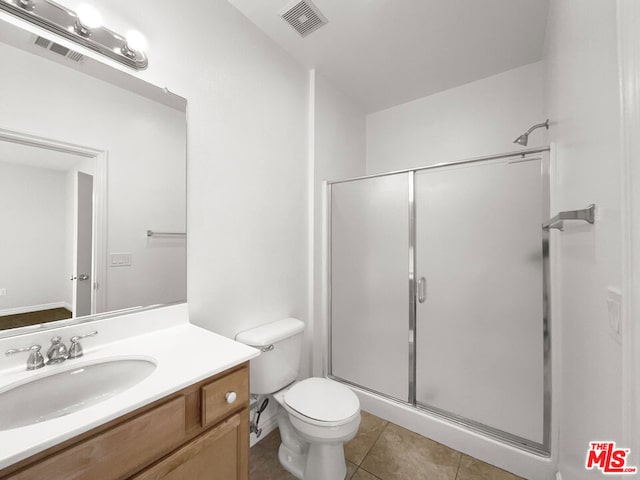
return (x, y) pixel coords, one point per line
(524, 138)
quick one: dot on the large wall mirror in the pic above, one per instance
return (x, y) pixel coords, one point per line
(92, 188)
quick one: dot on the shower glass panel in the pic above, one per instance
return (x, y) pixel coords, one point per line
(479, 316)
(369, 283)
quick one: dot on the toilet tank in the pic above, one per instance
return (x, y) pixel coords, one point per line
(277, 366)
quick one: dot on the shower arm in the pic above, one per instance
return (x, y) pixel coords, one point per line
(538, 125)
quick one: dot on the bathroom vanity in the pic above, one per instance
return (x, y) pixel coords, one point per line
(187, 418)
(187, 433)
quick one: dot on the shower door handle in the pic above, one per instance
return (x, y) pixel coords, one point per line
(422, 289)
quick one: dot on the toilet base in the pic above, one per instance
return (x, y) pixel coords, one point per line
(322, 462)
(292, 462)
(325, 461)
(309, 461)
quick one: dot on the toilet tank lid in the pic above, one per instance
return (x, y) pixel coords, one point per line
(270, 333)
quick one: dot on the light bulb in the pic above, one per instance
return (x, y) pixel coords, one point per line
(26, 4)
(136, 41)
(89, 16)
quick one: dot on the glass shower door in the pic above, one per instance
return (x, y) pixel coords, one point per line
(479, 315)
(370, 284)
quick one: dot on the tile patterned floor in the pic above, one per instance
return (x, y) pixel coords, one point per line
(384, 451)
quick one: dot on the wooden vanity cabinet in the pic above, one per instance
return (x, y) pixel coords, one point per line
(197, 433)
(214, 454)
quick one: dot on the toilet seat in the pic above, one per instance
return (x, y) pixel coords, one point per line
(323, 402)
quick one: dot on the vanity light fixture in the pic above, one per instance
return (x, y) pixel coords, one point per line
(88, 19)
(26, 4)
(134, 43)
(83, 27)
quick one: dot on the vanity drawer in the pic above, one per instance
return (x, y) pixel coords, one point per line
(119, 452)
(215, 403)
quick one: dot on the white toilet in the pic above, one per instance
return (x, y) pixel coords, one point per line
(316, 416)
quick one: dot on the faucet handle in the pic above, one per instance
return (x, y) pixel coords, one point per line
(35, 360)
(57, 352)
(75, 349)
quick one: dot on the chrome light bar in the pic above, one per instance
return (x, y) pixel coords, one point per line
(68, 24)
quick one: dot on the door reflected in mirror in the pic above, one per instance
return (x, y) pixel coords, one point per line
(86, 169)
(48, 193)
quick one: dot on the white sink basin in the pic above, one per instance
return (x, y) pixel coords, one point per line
(77, 387)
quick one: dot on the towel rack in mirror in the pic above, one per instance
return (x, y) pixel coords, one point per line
(151, 233)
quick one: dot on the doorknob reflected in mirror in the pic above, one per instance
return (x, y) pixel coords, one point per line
(82, 277)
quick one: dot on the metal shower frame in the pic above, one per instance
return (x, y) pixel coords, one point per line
(542, 449)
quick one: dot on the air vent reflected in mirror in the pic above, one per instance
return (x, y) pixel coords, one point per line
(59, 49)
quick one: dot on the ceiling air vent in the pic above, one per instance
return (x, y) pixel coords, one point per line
(304, 17)
(59, 49)
(43, 42)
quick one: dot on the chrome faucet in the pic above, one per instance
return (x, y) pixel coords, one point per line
(57, 352)
(75, 349)
(35, 360)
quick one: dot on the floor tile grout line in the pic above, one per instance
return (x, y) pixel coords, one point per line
(374, 442)
(459, 463)
(373, 445)
(362, 468)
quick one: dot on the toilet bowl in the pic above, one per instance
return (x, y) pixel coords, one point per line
(316, 416)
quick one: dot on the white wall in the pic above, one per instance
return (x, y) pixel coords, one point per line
(629, 58)
(338, 150)
(33, 218)
(146, 181)
(247, 171)
(583, 105)
(480, 118)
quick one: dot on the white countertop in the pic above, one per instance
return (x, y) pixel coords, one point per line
(184, 353)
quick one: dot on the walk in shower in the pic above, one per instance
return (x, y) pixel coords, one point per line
(438, 282)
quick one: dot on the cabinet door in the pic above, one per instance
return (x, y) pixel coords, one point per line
(220, 453)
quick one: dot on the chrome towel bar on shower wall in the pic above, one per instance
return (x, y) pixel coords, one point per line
(587, 214)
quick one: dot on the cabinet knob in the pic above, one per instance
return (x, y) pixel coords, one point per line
(231, 397)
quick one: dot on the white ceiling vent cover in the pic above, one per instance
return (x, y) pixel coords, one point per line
(304, 17)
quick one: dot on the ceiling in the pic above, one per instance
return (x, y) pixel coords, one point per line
(386, 52)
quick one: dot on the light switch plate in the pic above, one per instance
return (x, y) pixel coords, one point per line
(120, 259)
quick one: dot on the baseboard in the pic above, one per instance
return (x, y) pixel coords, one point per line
(268, 425)
(34, 308)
